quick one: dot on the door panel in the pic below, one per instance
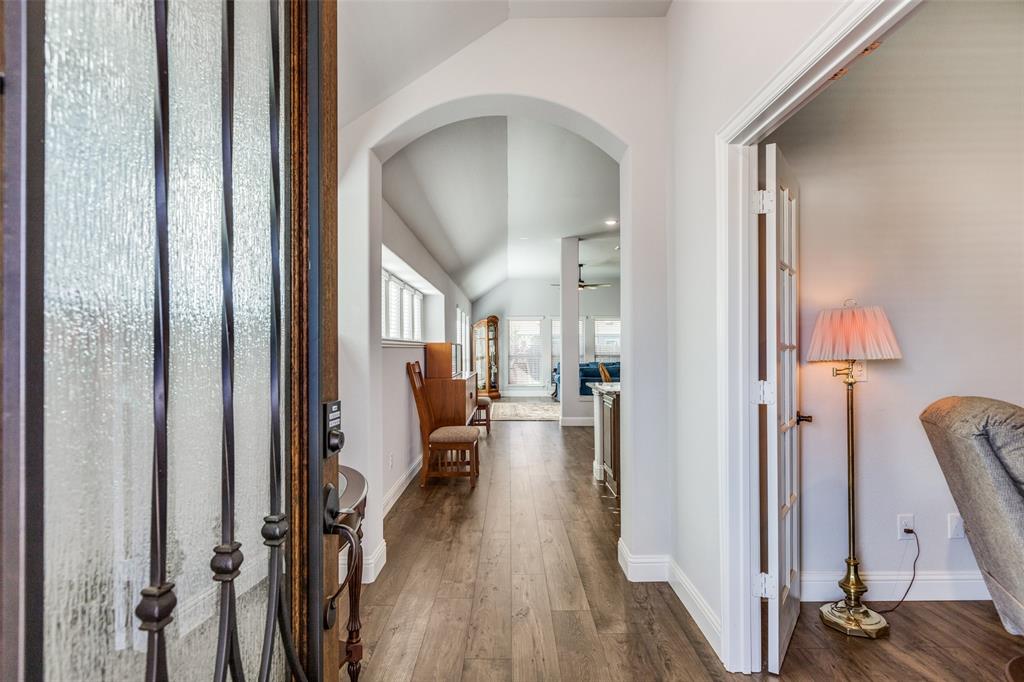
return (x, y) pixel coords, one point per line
(783, 439)
(102, 303)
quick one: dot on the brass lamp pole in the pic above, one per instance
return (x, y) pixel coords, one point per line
(849, 334)
(850, 615)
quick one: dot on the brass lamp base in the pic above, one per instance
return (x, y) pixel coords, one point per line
(859, 621)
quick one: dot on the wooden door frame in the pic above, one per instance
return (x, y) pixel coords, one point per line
(835, 46)
(313, 333)
(313, 214)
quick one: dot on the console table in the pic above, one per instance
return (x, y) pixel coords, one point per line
(347, 522)
(606, 433)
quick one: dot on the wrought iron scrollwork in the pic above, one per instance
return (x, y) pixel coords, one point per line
(156, 607)
(275, 524)
(227, 558)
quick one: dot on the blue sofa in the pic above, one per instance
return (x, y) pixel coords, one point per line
(589, 373)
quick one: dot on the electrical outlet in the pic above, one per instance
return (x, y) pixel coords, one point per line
(955, 526)
(904, 522)
(860, 370)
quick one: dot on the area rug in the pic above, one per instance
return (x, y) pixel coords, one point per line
(525, 412)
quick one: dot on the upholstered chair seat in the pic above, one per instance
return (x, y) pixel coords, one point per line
(483, 401)
(454, 434)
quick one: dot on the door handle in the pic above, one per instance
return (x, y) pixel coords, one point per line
(804, 418)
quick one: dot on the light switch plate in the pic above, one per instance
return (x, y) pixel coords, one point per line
(860, 370)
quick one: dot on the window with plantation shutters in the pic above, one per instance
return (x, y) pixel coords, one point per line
(525, 352)
(394, 309)
(417, 316)
(607, 340)
(383, 304)
(401, 307)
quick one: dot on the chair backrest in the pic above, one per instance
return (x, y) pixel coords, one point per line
(979, 444)
(422, 404)
(606, 376)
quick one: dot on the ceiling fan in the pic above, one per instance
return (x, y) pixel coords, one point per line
(581, 285)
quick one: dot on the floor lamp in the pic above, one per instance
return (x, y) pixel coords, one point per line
(849, 334)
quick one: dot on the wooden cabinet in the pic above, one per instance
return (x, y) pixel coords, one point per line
(485, 356)
(443, 360)
(450, 391)
(610, 440)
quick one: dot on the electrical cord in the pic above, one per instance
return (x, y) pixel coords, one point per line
(913, 574)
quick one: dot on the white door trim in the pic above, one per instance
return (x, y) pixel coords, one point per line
(838, 43)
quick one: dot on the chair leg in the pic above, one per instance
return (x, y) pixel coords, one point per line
(473, 468)
(487, 414)
(424, 466)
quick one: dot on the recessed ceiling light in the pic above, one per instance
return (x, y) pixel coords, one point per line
(611, 221)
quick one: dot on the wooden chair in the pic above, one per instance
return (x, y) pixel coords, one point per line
(448, 451)
(482, 416)
(606, 376)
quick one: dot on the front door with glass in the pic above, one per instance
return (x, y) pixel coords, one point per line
(165, 371)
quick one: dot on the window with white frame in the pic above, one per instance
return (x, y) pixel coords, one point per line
(401, 309)
(462, 335)
(556, 341)
(525, 352)
(467, 327)
(607, 339)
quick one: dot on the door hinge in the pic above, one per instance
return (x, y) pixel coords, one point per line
(765, 391)
(765, 586)
(764, 202)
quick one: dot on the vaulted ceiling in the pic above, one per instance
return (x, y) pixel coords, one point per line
(490, 198)
(386, 44)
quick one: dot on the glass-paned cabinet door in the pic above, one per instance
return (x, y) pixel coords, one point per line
(162, 356)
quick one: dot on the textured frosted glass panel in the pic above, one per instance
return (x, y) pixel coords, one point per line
(194, 409)
(98, 279)
(252, 285)
(100, 229)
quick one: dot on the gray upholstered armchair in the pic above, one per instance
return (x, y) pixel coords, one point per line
(979, 443)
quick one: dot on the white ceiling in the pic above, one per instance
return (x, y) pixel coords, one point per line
(386, 44)
(490, 198)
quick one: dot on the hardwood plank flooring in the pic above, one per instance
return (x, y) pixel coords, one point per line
(519, 580)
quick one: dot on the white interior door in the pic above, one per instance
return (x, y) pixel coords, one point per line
(783, 439)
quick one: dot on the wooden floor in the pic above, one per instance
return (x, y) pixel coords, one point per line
(518, 580)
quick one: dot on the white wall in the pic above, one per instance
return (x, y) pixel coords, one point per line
(401, 449)
(720, 55)
(532, 298)
(601, 78)
(912, 172)
(403, 243)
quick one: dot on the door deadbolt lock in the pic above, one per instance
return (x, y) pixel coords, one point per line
(335, 440)
(333, 437)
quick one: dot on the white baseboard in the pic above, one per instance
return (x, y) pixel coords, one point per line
(703, 615)
(598, 472)
(646, 568)
(890, 585)
(643, 568)
(401, 484)
(576, 421)
(373, 562)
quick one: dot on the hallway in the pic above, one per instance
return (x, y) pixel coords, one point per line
(519, 579)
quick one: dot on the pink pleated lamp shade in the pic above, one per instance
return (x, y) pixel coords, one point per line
(853, 334)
